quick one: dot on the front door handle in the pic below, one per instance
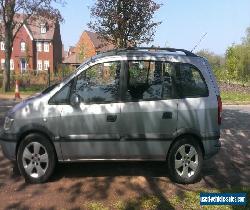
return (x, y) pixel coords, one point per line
(167, 115)
(111, 118)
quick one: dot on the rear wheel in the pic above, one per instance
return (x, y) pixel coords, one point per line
(185, 160)
(36, 158)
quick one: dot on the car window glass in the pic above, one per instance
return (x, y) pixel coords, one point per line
(99, 83)
(148, 80)
(62, 96)
(191, 82)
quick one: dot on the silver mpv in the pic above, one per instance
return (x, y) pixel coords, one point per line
(129, 104)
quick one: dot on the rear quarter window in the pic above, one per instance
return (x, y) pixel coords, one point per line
(190, 82)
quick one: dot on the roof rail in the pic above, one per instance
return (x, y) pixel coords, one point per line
(186, 52)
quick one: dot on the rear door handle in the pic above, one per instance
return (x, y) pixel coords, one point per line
(111, 118)
(167, 115)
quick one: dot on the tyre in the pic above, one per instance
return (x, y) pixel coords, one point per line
(36, 158)
(185, 160)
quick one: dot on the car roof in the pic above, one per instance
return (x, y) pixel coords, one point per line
(146, 51)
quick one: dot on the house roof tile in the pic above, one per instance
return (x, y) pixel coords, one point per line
(100, 45)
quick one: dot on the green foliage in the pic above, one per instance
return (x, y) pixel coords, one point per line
(238, 61)
(217, 63)
(235, 67)
(232, 65)
(124, 22)
(235, 97)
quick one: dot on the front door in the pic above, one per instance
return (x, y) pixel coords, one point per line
(149, 111)
(91, 131)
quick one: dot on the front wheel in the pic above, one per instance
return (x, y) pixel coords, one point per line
(36, 158)
(185, 160)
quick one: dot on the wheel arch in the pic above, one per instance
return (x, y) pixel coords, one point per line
(186, 135)
(30, 129)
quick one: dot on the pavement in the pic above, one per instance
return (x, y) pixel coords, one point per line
(75, 184)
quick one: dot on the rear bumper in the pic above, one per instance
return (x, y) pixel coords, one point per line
(8, 143)
(211, 147)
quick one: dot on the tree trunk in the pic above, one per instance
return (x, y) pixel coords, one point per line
(8, 52)
(6, 75)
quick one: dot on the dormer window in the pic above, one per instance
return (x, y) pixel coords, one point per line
(43, 28)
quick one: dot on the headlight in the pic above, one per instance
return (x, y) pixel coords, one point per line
(7, 123)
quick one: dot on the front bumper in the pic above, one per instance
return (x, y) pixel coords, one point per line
(8, 143)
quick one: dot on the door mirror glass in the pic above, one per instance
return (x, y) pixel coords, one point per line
(75, 100)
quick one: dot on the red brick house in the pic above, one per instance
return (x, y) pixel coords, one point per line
(37, 46)
(88, 45)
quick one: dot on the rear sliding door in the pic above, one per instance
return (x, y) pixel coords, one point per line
(148, 111)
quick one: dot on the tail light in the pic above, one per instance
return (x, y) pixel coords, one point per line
(219, 109)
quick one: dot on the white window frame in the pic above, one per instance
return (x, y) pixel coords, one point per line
(46, 46)
(39, 65)
(46, 65)
(2, 63)
(23, 46)
(39, 46)
(12, 64)
(43, 29)
(2, 45)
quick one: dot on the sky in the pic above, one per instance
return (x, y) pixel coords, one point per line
(184, 22)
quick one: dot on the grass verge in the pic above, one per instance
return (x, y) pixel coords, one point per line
(187, 200)
(235, 97)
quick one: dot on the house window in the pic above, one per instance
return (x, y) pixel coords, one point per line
(23, 46)
(2, 64)
(39, 46)
(12, 66)
(46, 65)
(46, 47)
(2, 46)
(39, 65)
(43, 28)
(23, 65)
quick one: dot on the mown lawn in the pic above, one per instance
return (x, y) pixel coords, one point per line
(235, 97)
(190, 200)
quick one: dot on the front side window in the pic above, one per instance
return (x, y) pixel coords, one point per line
(99, 83)
(62, 97)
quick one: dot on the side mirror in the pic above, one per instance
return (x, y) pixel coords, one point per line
(75, 100)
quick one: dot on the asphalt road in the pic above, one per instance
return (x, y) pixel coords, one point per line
(74, 184)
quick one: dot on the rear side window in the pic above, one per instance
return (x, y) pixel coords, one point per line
(157, 80)
(148, 81)
(190, 82)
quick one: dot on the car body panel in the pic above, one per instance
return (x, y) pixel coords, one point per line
(139, 132)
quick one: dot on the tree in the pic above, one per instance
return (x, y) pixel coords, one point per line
(246, 40)
(232, 63)
(124, 22)
(10, 12)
